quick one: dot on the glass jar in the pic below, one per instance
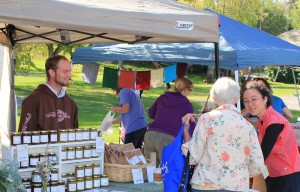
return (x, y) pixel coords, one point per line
(64, 178)
(36, 187)
(26, 137)
(79, 171)
(93, 133)
(96, 169)
(70, 153)
(71, 135)
(88, 170)
(28, 187)
(62, 135)
(24, 164)
(42, 157)
(87, 152)
(71, 175)
(54, 174)
(63, 154)
(61, 186)
(71, 185)
(44, 137)
(88, 183)
(78, 152)
(36, 177)
(80, 184)
(35, 137)
(96, 181)
(15, 138)
(33, 159)
(104, 181)
(94, 153)
(53, 136)
(78, 134)
(26, 181)
(54, 186)
(52, 158)
(85, 134)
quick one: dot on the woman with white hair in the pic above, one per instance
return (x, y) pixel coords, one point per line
(224, 146)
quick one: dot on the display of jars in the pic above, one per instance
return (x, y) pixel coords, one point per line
(26, 137)
(63, 136)
(71, 135)
(35, 137)
(15, 138)
(93, 133)
(53, 137)
(44, 137)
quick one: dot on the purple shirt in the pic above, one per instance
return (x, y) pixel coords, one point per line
(167, 112)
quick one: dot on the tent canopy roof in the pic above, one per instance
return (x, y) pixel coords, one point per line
(240, 45)
(105, 21)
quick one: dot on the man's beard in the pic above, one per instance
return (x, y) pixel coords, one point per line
(61, 82)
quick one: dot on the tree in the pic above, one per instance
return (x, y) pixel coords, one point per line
(294, 15)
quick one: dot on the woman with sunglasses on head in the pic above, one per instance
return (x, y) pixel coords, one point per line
(277, 139)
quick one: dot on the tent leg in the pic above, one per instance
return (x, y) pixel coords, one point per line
(278, 69)
(217, 64)
(236, 77)
(297, 94)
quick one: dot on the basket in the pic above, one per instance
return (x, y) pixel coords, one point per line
(122, 173)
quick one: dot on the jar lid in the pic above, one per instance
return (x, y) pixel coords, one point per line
(96, 164)
(26, 133)
(54, 170)
(70, 130)
(34, 155)
(42, 154)
(86, 129)
(79, 130)
(96, 176)
(51, 154)
(78, 147)
(71, 174)
(71, 148)
(93, 146)
(35, 132)
(35, 172)
(15, 133)
(63, 130)
(87, 165)
(93, 129)
(71, 180)
(87, 147)
(44, 132)
(78, 166)
(60, 182)
(80, 179)
(53, 182)
(88, 177)
(104, 176)
(52, 131)
(64, 175)
(25, 179)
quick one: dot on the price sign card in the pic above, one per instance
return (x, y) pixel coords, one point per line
(137, 175)
(150, 173)
(99, 145)
(22, 152)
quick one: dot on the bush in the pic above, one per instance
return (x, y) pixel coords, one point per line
(285, 74)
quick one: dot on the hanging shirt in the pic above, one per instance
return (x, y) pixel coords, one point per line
(110, 78)
(157, 78)
(126, 79)
(143, 80)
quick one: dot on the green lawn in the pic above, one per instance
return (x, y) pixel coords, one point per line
(94, 101)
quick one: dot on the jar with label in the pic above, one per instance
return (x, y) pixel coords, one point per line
(26, 181)
(26, 137)
(53, 186)
(104, 181)
(42, 157)
(53, 136)
(53, 159)
(71, 186)
(63, 154)
(93, 133)
(88, 170)
(64, 178)
(96, 181)
(15, 138)
(71, 176)
(78, 152)
(36, 187)
(54, 174)
(28, 187)
(44, 137)
(35, 137)
(71, 135)
(36, 177)
(96, 169)
(79, 171)
(80, 184)
(87, 152)
(24, 164)
(78, 134)
(88, 183)
(94, 153)
(85, 134)
(33, 159)
(70, 153)
(61, 186)
(63, 136)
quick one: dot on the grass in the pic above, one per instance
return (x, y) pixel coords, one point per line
(94, 101)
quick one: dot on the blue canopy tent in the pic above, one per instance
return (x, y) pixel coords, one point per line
(240, 46)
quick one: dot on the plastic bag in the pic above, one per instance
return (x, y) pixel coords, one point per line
(106, 125)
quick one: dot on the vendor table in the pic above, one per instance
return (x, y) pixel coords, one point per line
(130, 187)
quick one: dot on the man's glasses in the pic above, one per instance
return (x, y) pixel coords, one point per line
(247, 102)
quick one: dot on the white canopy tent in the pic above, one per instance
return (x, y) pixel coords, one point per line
(92, 21)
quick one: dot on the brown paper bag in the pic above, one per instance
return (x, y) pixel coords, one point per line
(259, 183)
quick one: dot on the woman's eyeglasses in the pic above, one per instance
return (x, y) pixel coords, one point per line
(247, 102)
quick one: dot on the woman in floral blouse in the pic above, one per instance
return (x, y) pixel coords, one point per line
(224, 146)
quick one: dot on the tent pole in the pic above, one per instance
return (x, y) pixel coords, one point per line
(217, 65)
(236, 77)
(278, 69)
(297, 95)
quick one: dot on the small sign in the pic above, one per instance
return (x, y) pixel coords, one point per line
(150, 173)
(99, 145)
(22, 152)
(137, 175)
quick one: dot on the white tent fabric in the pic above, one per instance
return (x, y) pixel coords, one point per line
(106, 21)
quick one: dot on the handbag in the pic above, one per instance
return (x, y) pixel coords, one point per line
(172, 163)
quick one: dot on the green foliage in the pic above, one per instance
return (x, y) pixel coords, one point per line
(285, 74)
(294, 14)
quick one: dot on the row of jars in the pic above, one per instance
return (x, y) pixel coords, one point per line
(52, 186)
(87, 183)
(53, 136)
(34, 158)
(82, 171)
(79, 152)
